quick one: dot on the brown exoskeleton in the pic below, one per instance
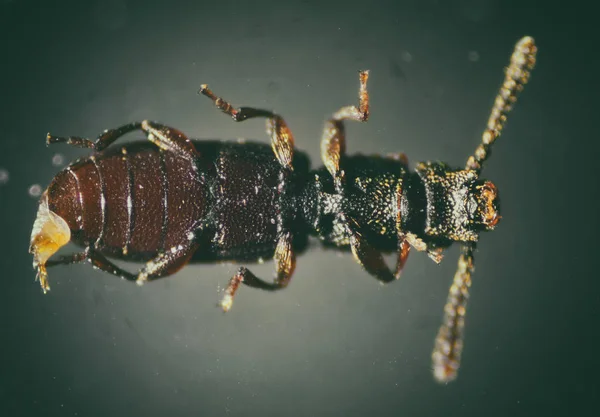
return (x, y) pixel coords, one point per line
(168, 200)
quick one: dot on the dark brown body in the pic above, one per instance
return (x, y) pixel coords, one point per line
(171, 199)
(136, 201)
(123, 201)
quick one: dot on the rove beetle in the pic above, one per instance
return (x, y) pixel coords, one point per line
(171, 199)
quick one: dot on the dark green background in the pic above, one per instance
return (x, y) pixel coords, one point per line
(335, 342)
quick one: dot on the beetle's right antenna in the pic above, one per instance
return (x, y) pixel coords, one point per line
(522, 62)
(449, 340)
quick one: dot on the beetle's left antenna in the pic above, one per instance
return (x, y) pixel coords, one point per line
(522, 62)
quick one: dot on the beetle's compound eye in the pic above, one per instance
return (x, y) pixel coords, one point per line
(50, 232)
(488, 205)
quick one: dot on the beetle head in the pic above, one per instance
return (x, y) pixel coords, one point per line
(487, 213)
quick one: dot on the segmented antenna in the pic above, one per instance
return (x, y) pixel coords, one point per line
(449, 341)
(522, 62)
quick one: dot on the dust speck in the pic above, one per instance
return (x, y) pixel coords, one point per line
(58, 160)
(473, 56)
(35, 190)
(273, 87)
(396, 70)
(4, 176)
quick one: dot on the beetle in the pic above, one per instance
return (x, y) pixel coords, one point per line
(171, 199)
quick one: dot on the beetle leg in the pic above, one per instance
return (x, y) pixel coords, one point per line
(449, 341)
(166, 263)
(103, 140)
(333, 147)
(170, 139)
(97, 260)
(370, 259)
(333, 142)
(436, 254)
(164, 137)
(403, 251)
(74, 258)
(282, 140)
(285, 263)
(522, 62)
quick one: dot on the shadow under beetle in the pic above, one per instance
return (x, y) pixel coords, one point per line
(165, 201)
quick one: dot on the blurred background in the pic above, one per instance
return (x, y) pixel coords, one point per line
(335, 343)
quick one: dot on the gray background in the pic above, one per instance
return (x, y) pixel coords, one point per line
(335, 342)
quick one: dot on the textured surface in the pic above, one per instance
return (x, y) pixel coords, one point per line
(246, 202)
(335, 342)
(133, 200)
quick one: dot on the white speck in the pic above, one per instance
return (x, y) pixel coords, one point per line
(473, 56)
(35, 190)
(140, 186)
(58, 160)
(226, 302)
(261, 261)
(256, 189)
(406, 56)
(190, 235)
(3, 176)
(272, 221)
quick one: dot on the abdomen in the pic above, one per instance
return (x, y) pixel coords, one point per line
(132, 201)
